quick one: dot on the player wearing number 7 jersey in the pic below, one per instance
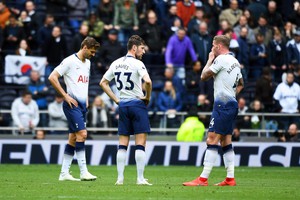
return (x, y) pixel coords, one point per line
(128, 72)
(228, 82)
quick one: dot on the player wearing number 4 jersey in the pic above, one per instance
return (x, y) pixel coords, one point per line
(128, 72)
(228, 82)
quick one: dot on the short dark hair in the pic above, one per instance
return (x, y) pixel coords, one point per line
(90, 43)
(223, 39)
(135, 40)
(25, 93)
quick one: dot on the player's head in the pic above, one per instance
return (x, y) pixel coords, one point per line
(89, 47)
(220, 44)
(136, 45)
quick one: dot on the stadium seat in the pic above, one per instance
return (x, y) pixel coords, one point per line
(6, 98)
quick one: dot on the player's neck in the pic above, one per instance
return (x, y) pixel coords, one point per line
(129, 53)
(80, 56)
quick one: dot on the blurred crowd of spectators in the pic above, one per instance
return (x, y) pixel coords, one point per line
(265, 38)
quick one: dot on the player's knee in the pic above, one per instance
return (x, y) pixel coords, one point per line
(81, 136)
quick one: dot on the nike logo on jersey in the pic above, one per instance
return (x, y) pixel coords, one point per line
(83, 79)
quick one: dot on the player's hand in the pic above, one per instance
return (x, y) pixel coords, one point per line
(211, 56)
(71, 101)
(145, 100)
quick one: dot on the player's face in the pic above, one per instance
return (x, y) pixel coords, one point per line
(140, 50)
(89, 52)
(215, 48)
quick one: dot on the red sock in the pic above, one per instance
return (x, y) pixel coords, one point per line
(229, 179)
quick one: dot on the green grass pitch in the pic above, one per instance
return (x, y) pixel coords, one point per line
(41, 182)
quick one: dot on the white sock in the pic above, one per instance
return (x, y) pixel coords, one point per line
(80, 155)
(229, 163)
(66, 163)
(140, 158)
(121, 160)
(209, 161)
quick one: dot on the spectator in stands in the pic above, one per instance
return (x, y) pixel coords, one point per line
(44, 32)
(57, 118)
(142, 7)
(291, 135)
(264, 89)
(125, 19)
(192, 83)
(24, 49)
(36, 21)
(277, 55)
(98, 117)
(185, 10)
(153, 35)
(106, 14)
(236, 134)
(58, 8)
(264, 29)
(168, 21)
(256, 8)
(95, 25)
(231, 14)
(109, 51)
(193, 25)
(25, 113)
(294, 17)
(152, 103)
(286, 96)
(39, 134)
(79, 37)
(234, 45)
(12, 34)
(288, 31)
(170, 102)
(202, 41)
(243, 56)
(250, 19)
(176, 51)
(192, 129)
(258, 57)
(256, 120)
(4, 14)
(244, 23)
(293, 50)
(204, 105)
(274, 18)
(55, 49)
(76, 13)
(224, 25)
(39, 92)
(212, 10)
(242, 120)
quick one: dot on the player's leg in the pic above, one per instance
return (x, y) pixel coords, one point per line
(228, 157)
(121, 157)
(210, 157)
(140, 158)
(80, 155)
(67, 160)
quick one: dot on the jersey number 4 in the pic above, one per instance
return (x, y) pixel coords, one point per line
(128, 81)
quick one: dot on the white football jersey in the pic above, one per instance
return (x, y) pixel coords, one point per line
(128, 73)
(227, 74)
(76, 76)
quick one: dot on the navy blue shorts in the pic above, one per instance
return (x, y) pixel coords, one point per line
(133, 118)
(223, 118)
(76, 117)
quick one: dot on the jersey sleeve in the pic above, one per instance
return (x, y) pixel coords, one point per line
(63, 67)
(216, 66)
(277, 94)
(142, 70)
(109, 75)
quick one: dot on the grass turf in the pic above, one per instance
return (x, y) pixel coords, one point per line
(41, 182)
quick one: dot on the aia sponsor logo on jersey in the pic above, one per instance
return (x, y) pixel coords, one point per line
(83, 79)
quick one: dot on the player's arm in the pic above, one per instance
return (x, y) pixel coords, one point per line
(104, 84)
(206, 72)
(148, 87)
(53, 78)
(239, 86)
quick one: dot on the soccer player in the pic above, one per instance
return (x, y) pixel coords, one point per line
(76, 70)
(228, 82)
(128, 72)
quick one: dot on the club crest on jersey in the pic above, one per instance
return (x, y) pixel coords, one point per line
(83, 79)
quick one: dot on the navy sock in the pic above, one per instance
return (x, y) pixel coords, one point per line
(227, 148)
(80, 146)
(123, 147)
(69, 150)
(139, 147)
